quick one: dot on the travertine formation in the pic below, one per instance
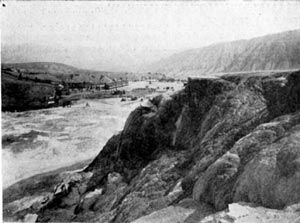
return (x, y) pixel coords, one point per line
(185, 158)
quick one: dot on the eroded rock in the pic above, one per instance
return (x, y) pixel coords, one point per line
(218, 141)
(247, 213)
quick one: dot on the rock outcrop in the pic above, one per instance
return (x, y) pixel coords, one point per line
(186, 157)
(236, 213)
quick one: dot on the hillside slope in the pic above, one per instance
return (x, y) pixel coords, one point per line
(272, 52)
(20, 95)
(92, 57)
(184, 157)
(64, 72)
(42, 67)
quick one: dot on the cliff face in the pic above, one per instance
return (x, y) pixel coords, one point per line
(184, 157)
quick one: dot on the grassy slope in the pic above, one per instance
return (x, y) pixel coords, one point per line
(64, 72)
(23, 95)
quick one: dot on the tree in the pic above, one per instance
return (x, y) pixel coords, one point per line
(116, 83)
(106, 86)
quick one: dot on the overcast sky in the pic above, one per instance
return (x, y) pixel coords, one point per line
(135, 26)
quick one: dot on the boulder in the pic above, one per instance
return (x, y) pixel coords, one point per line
(30, 218)
(261, 168)
(90, 199)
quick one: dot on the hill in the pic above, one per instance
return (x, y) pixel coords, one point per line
(28, 86)
(18, 95)
(63, 72)
(272, 52)
(84, 57)
(42, 67)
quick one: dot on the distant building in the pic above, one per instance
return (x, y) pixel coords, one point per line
(106, 80)
(113, 83)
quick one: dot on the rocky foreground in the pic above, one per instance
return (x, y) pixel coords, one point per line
(221, 150)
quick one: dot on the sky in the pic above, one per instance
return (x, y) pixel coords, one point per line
(126, 27)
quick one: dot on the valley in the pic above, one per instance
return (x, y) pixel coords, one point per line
(126, 117)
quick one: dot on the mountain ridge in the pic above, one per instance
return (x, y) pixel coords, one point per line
(83, 57)
(271, 52)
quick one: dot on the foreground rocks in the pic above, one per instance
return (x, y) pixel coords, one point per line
(186, 157)
(236, 213)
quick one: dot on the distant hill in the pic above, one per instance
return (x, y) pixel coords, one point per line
(272, 52)
(78, 56)
(19, 95)
(63, 72)
(42, 67)
(26, 86)
(92, 58)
